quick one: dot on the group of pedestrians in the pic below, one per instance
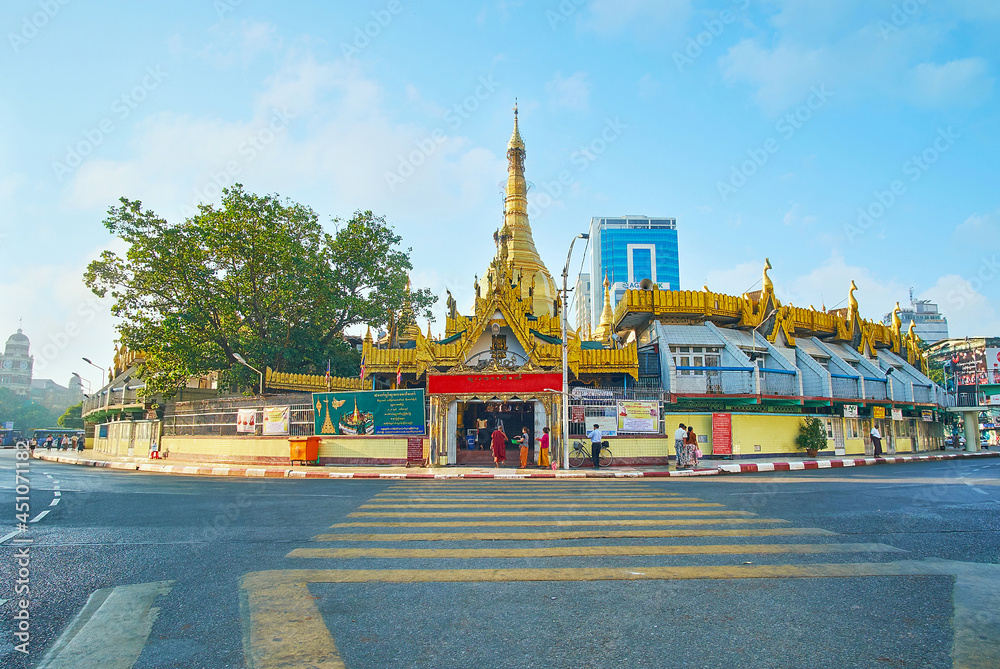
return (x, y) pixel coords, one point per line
(59, 443)
(498, 444)
(686, 447)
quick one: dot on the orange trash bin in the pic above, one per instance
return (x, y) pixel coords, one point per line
(304, 450)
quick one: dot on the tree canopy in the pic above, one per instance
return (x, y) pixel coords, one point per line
(257, 276)
(26, 413)
(72, 417)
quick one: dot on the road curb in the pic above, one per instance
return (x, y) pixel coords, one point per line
(284, 472)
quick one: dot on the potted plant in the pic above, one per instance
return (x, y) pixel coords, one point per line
(812, 436)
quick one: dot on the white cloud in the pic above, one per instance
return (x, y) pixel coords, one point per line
(784, 62)
(964, 81)
(337, 141)
(970, 313)
(647, 17)
(794, 216)
(73, 323)
(234, 44)
(571, 92)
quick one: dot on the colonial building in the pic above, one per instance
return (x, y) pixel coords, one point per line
(16, 364)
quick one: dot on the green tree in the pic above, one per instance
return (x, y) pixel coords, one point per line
(257, 276)
(25, 413)
(72, 418)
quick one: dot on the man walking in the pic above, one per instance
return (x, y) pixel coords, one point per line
(876, 441)
(680, 434)
(595, 445)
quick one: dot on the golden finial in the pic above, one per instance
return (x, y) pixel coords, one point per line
(851, 300)
(768, 286)
(515, 138)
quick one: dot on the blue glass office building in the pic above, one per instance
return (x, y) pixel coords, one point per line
(629, 249)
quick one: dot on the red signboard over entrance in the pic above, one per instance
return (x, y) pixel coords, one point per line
(722, 434)
(492, 383)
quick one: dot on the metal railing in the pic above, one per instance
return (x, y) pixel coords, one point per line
(778, 382)
(115, 397)
(222, 423)
(715, 381)
(875, 389)
(846, 386)
(217, 417)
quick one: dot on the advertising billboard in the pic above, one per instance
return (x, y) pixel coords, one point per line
(636, 417)
(370, 412)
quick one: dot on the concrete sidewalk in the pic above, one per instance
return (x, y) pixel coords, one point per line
(707, 468)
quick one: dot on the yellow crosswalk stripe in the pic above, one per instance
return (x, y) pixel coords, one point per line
(580, 534)
(542, 505)
(494, 514)
(724, 517)
(586, 551)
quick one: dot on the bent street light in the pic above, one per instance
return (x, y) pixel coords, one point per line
(239, 359)
(564, 427)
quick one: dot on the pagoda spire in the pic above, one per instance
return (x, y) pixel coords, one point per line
(604, 330)
(519, 252)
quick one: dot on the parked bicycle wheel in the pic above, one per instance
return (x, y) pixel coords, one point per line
(605, 457)
(577, 457)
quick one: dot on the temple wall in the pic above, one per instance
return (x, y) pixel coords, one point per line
(274, 450)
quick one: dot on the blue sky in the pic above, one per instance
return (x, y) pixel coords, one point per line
(765, 127)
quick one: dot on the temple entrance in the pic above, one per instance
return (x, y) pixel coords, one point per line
(478, 420)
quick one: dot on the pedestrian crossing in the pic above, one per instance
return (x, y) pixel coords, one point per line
(444, 512)
(510, 531)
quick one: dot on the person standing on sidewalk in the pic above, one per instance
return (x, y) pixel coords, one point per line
(543, 449)
(876, 441)
(525, 438)
(690, 444)
(498, 444)
(680, 436)
(595, 445)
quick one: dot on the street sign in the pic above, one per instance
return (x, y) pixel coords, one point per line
(850, 411)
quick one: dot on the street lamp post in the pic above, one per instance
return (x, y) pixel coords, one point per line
(239, 359)
(565, 348)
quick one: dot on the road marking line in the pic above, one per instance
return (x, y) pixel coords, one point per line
(54, 501)
(111, 629)
(702, 519)
(10, 536)
(57, 493)
(543, 505)
(494, 514)
(3, 601)
(583, 534)
(573, 522)
(584, 551)
(40, 516)
(282, 626)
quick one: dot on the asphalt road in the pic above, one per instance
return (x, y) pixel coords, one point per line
(825, 568)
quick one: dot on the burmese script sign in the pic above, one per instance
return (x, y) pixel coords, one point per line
(370, 412)
(722, 434)
(492, 383)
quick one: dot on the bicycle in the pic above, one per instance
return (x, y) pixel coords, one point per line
(581, 454)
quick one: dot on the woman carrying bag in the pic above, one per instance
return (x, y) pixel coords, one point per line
(693, 452)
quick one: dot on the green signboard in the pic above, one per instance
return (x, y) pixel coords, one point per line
(370, 412)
